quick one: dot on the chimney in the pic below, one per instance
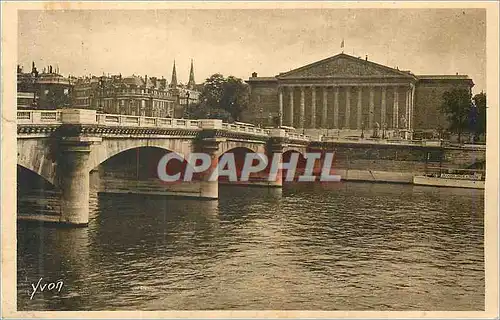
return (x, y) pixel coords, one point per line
(254, 74)
(163, 83)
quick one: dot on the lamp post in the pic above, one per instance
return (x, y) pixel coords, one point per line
(34, 80)
(187, 99)
(101, 94)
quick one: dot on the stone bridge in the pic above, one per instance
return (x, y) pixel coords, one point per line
(63, 146)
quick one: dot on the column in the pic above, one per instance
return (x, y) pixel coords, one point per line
(347, 107)
(324, 115)
(372, 107)
(280, 115)
(143, 108)
(383, 108)
(336, 108)
(412, 106)
(74, 180)
(291, 106)
(302, 108)
(395, 110)
(407, 107)
(359, 108)
(313, 107)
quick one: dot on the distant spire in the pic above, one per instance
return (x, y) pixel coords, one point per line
(173, 83)
(191, 83)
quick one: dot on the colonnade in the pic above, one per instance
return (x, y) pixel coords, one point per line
(398, 121)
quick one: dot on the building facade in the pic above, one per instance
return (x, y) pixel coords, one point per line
(134, 95)
(351, 94)
(43, 90)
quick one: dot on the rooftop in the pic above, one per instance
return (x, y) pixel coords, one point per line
(443, 76)
(262, 79)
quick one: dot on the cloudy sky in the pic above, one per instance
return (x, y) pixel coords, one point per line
(238, 42)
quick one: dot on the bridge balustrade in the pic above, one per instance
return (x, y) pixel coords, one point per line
(54, 117)
(42, 117)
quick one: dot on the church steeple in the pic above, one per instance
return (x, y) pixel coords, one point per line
(191, 83)
(173, 83)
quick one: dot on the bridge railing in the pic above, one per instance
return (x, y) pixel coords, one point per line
(244, 128)
(39, 117)
(402, 142)
(142, 121)
(77, 116)
(298, 136)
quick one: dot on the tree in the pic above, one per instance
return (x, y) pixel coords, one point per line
(221, 98)
(480, 123)
(213, 89)
(235, 97)
(203, 111)
(456, 107)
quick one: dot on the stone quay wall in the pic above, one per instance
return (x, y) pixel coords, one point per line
(389, 163)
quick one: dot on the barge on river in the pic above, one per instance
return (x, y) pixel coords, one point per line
(456, 178)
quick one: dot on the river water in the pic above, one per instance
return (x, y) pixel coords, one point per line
(341, 246)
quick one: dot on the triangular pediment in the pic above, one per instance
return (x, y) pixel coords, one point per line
(343, 65)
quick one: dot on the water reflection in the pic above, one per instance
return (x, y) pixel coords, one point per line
(309, 246)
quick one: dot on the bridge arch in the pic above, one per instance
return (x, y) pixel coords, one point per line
(301, 161)
(239, 154)
(37, 155)
(142, 163)
(111, 147)
(228, 145)
(24, 173)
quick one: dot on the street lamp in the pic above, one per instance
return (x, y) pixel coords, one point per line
(187, 99)
(101, 94)
(34, 86)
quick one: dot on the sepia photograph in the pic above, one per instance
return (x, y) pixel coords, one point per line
(323, 157)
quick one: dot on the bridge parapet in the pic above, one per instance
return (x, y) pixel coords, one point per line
(89, 117)
(39, 117)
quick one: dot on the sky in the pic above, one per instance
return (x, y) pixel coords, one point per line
(239, 42)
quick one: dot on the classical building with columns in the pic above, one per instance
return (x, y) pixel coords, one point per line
(351, 95)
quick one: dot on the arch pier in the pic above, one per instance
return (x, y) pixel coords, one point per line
(73, 179)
